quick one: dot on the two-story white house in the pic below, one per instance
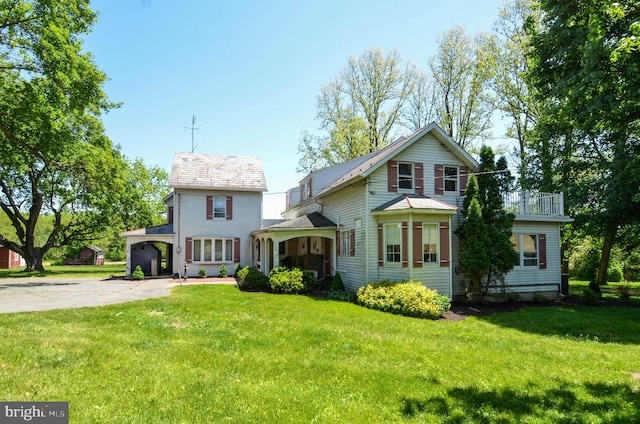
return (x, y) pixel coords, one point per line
(392, 214)
(215, 204)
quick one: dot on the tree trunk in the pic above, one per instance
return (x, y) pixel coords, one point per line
(607, 245)
(33, 258)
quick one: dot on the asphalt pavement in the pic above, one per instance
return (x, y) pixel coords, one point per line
(45, 293)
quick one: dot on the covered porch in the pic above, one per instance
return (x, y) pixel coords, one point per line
(306, 242)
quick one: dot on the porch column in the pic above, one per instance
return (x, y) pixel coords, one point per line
(276, 252)
(128, 257)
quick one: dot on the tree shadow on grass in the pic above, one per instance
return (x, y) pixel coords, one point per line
(602, 324)
(566, 403)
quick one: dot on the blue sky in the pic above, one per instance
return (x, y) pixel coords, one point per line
(248, 70)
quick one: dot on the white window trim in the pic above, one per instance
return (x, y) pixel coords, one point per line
(386, 261)
(445, 179)
(521, 257)
(435, 225)
(224, 209)
(213, 240)
(345, 243)
(413, 177)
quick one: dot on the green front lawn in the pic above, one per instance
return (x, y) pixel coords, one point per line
(609, 291)
(70, 271)
(214, 354)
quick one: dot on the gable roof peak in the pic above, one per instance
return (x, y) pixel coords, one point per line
(217, 172)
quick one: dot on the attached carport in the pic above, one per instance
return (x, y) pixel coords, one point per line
(142, 251)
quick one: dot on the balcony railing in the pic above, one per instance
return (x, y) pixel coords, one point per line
(534, 203)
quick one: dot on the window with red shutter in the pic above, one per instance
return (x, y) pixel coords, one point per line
(444, 244)
(392, 176)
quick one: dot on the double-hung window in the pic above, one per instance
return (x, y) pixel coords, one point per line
(219, 206)
(430, 236)
(393, 243)
(405, 176)
(450, 178)
(345, 246)
(527, 247)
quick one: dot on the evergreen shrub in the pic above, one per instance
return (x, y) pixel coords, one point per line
(137, 274)
(223, 272)
(251, 278)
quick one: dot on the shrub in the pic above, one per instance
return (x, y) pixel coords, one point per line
(589, 296)
(342, 295)
(539, 298)
(614, 275)
(407, 298)
(595, 287)
(202, 272)
(222, 273)
(324, 283)
(309, 280)
(236, 269)
(251, 278)
(286, 281)
(624, 292)
(137, 274)
(337, 284)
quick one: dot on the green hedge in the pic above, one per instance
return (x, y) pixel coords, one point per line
(251, 278)
(404, 298)
(287, 281)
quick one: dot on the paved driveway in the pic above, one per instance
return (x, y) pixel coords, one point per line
(44, 293)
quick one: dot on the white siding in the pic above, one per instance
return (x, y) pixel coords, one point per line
(530, 278)
(190, 210)
(345, 208)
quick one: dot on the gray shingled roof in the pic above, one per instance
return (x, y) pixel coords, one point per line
(217, 172)
(312, 220)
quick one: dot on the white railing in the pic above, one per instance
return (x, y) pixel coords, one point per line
(534, 203)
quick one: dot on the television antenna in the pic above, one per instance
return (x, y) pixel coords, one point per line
(193, 129)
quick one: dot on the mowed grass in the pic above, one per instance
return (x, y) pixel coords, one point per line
(609, 291)
(211, 353)
(109, 269)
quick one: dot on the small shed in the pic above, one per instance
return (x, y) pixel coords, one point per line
(10, 259)
(90, 255)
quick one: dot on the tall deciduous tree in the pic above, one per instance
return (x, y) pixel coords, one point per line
(359, 110)
(460, 71)
(586, 67)
(513, 95)
(54, 157)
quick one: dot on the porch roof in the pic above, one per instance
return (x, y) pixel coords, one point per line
(160, 229)
(305, 222)
(416, 202)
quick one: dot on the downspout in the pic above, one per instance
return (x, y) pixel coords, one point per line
(179, 247)
(366, 232)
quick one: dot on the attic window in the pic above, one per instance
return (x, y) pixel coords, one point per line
(305, 190)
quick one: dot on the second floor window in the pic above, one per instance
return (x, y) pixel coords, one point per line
(451, 178)
(405, 176)
(219, 206)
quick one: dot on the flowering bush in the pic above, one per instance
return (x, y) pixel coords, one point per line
(410, 298)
